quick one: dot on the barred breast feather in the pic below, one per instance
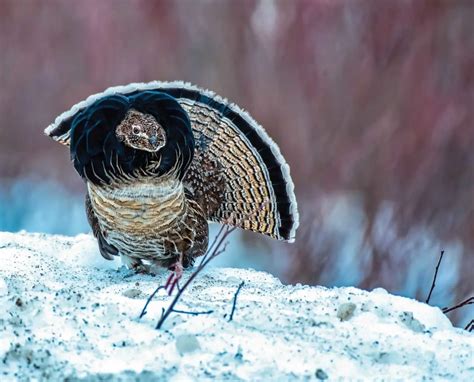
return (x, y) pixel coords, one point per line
(238, 175)
(137, 215)
(148, 220)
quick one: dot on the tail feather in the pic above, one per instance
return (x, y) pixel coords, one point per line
(259, 193)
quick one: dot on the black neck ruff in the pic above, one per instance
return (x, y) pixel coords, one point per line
(98, 155)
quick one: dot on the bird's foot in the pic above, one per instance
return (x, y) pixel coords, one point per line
(135, 265)
(142, 268)
(174, 277)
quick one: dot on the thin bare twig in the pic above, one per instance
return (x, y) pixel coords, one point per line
(192, 313)
(149, 300)
(433, 284)
(234, 303)
(217, 248)
(470, 326)
(467, 301)
(211, 247)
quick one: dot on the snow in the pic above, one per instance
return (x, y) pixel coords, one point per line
(68, 313)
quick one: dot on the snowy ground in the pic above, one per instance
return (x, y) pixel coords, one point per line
(65, 312)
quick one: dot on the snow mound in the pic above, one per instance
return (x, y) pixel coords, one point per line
(67, 313)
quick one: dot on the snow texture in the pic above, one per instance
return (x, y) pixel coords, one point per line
(68, 313)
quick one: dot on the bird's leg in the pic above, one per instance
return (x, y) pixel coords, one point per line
(175, 275)
(135, 264)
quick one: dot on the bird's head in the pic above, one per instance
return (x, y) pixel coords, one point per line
(141, 131)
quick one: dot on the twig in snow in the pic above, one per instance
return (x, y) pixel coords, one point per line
(192, 313)
(234, 303)
(433, 284)
(470, 326)
(467, 301)
(217, 247)
(149, 300)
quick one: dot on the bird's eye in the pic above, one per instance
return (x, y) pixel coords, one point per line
(136, 129)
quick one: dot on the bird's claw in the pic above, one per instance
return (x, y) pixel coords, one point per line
(141, 268)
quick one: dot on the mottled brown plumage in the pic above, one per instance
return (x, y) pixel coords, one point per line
(141, 131)
(162, 159)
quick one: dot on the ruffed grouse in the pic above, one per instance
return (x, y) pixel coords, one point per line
(162, 159)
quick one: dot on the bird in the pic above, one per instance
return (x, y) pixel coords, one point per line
(161, 160)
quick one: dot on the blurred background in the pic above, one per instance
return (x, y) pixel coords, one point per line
(371, 103)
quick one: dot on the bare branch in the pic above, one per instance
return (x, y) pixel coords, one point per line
(211, 247)
(433, 284)
(467, 301)
(234, 303)
(216, 249)
(470, 326)
(192, 313)
(149, 300)
(218, 246)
